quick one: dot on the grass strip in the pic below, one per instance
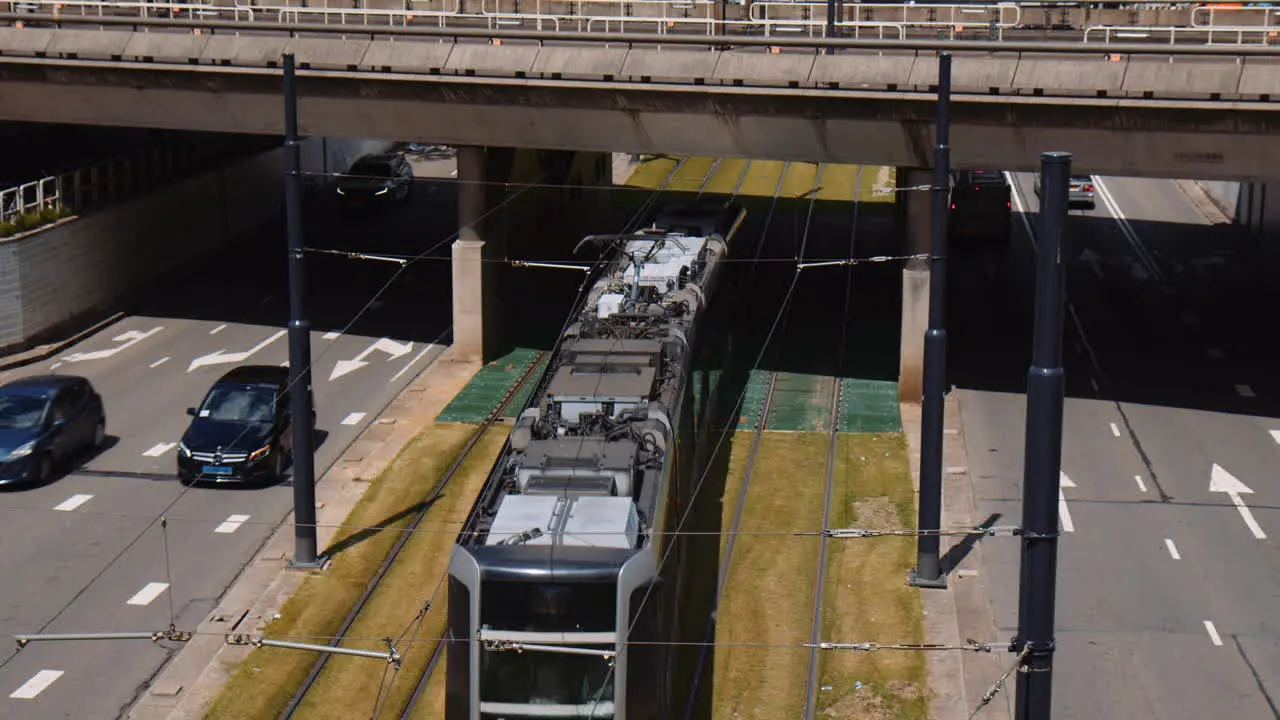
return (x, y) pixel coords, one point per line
(769, 592)
(866, 598)
(263, 683)
(348, 686)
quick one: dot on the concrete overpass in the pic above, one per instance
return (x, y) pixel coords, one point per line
(1139, 110)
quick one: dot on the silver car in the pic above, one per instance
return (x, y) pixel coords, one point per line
(1080, 190)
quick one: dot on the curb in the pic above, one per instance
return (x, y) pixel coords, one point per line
(43, 352)
(1216, 211)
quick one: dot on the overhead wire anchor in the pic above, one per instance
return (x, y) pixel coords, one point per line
(556, 266)
(169, 633)
(391, 655)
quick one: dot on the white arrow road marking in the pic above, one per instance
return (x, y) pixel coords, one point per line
(1275, 435)
(159, 449)
(218, 329)
(418, 357)
(149, 592)
(160, 362)
(1065, 481)
(222, 356)
(231, 524)
(1224, 482)
(1213, 632)
(391, 347)
(73, 502)
(36, 684)
(1063, 513)
(126, 339)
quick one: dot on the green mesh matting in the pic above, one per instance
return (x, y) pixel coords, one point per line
(526, 391)
(869, 406)
(801, 403)
(486, 389)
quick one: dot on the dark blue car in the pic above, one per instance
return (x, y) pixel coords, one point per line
(44, 420)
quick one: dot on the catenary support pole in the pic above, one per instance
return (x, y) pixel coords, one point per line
(1043, 463)
(928, 571)
(304, 484)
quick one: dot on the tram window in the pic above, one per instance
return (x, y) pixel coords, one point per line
(548, 607)
(533, 678)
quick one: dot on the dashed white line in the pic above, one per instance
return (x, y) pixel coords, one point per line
(1216, 353)
(231, 524)
(73, 502)
(1244, 391)
(149, 592)
(218, 329)
(284, 364)
(1115, 430)
(36, 684)
(1213, 632)
(1275, 435)
(160, 362)
(1141, 485)
(1093, 383)
(1173, 549)
(159, 449)
(55, 366)
(353, 418)
(331, 335)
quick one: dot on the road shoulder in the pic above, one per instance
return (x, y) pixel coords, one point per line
(961, 612)
(190, 681)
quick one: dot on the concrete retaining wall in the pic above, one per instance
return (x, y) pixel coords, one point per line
(1224, 194)
(67, 275)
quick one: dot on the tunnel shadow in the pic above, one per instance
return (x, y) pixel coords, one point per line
(381, 270)
(1146, 331)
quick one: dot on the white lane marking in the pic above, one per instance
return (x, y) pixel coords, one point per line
(332, 335)
(1065, 513)
(1245, 391)
(159, 449)
(415, 359)
(160, 362)
(1222, 481)
(1173, 549)
(1213, 632)
(353, 418)
(231, 524)
(1216, 353)
(126, 339)
(1126, 229)
(284, 364)
(149, 592)
(73, 502)
(1275, 435)
(218, 329)
(1115, 430)
(222, 356)
(36, 684)
(55, 366)
(1141, 485)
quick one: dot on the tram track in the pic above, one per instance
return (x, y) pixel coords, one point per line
(492, 419)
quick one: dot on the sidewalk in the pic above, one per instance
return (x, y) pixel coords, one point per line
(189, 682)
(962, 611)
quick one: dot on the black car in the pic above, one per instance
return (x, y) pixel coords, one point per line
(43, 421)
(241, 432)
(981, 208)
(382, 176)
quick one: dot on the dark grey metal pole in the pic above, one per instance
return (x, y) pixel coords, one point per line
(831, 24)
(928, 571)
(304, 482)
(1043, 462)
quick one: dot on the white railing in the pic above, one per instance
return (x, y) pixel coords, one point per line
(28, 199)
(1222, 35)
(1261, 17)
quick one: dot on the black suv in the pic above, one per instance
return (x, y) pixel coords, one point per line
(382, 176)
(242, 430)
(981, 208)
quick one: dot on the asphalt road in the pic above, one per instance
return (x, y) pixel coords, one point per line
(85, 568)
(1167, 594)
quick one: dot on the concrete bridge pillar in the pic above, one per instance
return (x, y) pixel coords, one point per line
(914, 228)
(501, 218)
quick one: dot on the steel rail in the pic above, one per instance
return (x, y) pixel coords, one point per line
(642, 39)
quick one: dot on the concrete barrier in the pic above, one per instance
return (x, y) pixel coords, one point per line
(68, 275)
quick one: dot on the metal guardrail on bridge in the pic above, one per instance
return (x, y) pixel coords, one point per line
(767, 18)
